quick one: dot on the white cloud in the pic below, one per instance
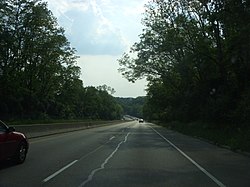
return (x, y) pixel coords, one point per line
(99, 26)
(90, 35)
(59, 7)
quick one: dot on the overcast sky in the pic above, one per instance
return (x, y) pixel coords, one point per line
(101, 31)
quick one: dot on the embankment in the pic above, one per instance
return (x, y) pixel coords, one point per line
(39, 130)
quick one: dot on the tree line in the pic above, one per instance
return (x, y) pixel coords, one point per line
(132, 106)
(39, 77)
(196, 56)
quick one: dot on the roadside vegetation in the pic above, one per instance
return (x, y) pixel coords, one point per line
(132, 106)
(234, 139)
(196, 56)
(39, 78)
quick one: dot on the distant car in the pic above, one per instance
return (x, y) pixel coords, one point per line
(13, 145)
(141, 120)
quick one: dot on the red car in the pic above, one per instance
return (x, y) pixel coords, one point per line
(13, 145)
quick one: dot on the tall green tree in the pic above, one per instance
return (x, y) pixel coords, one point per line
(196, 54)
(35, 58)
(99, 104)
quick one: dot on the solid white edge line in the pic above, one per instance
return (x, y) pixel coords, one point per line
(111, 138)
(191, 160)
(59, 171)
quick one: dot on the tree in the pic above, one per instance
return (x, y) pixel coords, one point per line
(39, 77)
(99, 104)
(106, 89)
(132, 106)
(196, 55)
(34, 56)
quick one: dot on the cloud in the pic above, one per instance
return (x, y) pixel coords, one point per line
(99, 27)
(87, 29)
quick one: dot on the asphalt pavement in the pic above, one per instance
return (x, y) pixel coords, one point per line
(130, 154)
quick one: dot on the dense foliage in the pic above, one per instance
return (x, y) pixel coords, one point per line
(38, 73)
(132, 106)
(196, 57)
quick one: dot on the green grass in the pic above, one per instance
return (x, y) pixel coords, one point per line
(236, 139)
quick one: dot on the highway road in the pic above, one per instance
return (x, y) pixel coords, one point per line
(130, 154)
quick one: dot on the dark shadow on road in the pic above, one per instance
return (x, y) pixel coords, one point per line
(6, 164)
